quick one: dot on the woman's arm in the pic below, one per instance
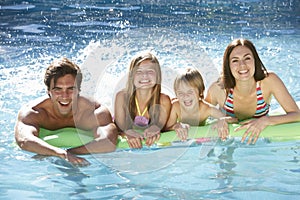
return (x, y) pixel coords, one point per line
(271, 85)
(277, 88)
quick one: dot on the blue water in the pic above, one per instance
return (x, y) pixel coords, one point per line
(101, 38)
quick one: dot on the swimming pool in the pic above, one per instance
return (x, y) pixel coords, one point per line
(102, 37)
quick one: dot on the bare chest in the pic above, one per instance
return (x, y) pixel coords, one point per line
(193, 118)
(87, 122)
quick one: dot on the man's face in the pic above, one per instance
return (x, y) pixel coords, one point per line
(64, 94)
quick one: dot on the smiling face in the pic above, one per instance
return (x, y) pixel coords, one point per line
(187, 95)
(145, 75)
(63, 94)
(242, 63)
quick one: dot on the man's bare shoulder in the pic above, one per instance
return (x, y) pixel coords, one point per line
(87, 102)
(88, 106)
(36, 105)
(35, 111)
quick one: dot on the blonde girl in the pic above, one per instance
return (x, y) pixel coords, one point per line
(141, 107)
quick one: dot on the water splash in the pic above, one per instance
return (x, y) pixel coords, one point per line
(106, 62)
(105, 65)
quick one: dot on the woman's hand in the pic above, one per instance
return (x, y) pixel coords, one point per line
(182, 130)
(253, 128)
(151, 134)
(134, 139)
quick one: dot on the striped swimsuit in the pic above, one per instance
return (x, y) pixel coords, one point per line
(262, 107)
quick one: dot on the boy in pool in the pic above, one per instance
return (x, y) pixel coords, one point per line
(190, 109)
(64, 107)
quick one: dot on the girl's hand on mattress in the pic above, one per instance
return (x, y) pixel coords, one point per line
(134, 139)
(152, 134)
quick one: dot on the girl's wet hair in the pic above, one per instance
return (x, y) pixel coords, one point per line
(193, 78)
(60, 68)
(227, 77)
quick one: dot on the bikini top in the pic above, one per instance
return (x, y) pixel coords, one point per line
(262, 107)
(140, 120)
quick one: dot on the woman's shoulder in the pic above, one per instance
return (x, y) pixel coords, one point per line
(217, 86)
(215, 90)
(271, 79)
(271, 75)
(272, 83)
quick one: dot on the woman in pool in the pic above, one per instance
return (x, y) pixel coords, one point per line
(141, 107)
(245, 89)
(190, 109)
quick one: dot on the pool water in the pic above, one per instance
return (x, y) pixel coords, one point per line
(102, 37)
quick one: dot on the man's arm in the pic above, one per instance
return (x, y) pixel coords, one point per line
(106, 142)
(106, 135)
(26, 132)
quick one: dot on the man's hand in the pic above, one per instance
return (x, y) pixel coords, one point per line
(75, 160)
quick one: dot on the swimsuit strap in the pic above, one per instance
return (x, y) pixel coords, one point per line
(138, 108)
(262, 107)
(228, 105)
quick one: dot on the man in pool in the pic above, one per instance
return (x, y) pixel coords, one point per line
(65, 108)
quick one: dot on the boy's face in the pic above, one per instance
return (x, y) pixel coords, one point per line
(187, 95)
